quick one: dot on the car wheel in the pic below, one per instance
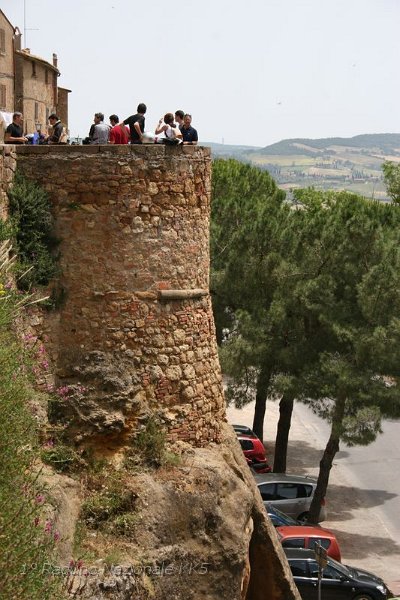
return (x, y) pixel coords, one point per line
(363, 597)
(303, 518)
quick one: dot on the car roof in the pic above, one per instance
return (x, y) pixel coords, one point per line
(282, 477)
(305, 530)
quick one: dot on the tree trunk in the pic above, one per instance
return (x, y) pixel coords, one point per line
(261, 399)
(282, 433)
(325, 464)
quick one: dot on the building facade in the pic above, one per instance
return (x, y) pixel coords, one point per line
(7, 96)
(28, 83)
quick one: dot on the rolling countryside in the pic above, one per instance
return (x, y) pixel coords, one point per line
(336, 163)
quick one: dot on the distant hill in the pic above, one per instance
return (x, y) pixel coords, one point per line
(337, 163)
(386, 142)
(228, 150)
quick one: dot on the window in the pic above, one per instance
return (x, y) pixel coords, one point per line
(304, 491)
(36, 111)
(246, 444)
(33, 69)
(294, 543)
(325, 543)
(2, 41)
(298, 568)
(286, 491)
(267, 491)
(3, 97)
(330, 573)
(46, 76)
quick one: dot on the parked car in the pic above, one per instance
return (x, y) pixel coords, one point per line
(339, 582)
(254, 451)
(291, 493)
(307, 537)
(244, 430)
(279, 518)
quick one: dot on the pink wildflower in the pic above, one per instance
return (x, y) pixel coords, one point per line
(48, 526)
(49, 443)
(56, 535)
(39, 499)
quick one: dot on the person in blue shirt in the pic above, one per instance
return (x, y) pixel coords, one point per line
(189, 134)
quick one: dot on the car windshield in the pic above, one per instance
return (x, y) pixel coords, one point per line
(342, 568)
(288, 520)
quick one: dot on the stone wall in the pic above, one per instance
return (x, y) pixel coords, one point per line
(134, 332)
(7, 170)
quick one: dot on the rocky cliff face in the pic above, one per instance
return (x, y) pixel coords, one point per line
(196, 530)
(131, 342)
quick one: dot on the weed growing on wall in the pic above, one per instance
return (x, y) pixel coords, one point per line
(32, 222)
(27, 538)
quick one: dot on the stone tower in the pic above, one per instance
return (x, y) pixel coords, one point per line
(133, 332)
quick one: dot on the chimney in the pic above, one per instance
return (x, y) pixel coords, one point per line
(55, 60)
(17, 39)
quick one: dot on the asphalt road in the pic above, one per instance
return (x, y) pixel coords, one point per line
(363, 498)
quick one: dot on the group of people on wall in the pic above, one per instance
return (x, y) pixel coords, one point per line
(14, 132)
(171, 129)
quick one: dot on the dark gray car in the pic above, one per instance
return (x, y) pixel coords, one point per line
(339, 582)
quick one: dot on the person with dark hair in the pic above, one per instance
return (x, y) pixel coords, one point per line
(13, 134)
(56, 130)
(101, 130)
(170, 129)
(119, 133)
(179, 114)
(188, 132)
(136, 124)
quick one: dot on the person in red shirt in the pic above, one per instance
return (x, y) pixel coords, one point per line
(119, 133)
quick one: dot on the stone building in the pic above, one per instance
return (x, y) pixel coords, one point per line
(7, 32)
(28, 83)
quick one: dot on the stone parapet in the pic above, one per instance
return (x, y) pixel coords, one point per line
(134, 334)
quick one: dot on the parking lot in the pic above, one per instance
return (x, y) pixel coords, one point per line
(363, 536)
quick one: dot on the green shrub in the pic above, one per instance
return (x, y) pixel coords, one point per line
(32, 222)
(150, 443)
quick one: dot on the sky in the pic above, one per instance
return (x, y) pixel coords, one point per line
(250, 72)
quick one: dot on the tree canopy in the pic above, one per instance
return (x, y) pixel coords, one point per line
(309, 295)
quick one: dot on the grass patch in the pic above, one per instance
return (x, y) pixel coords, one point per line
(103, 505)
(62, 458)
(149, 448)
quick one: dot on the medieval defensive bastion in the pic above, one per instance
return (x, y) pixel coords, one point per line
(135, 329)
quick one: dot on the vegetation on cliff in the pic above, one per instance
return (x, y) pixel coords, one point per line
(32, 223)
(27, 536)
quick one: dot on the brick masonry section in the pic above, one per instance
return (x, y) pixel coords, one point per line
(134, 333)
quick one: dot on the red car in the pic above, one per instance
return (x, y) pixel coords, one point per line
(300, 536)
(254, 451)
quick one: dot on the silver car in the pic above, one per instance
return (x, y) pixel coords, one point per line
(292, 494)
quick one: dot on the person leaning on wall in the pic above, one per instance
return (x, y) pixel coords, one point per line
(57, 129)
(13, 134)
